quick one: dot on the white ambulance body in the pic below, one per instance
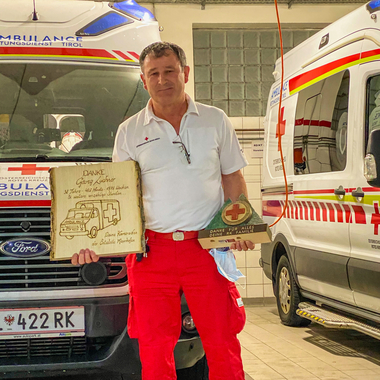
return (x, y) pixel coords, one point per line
(69, 75)
(326, 248)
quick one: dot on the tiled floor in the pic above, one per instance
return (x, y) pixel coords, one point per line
(273, 351)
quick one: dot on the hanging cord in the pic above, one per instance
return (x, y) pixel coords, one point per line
(279, 117)
(34, 14)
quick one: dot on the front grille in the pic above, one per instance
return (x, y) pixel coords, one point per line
(61, 348)
(11, 221)
(40, 272)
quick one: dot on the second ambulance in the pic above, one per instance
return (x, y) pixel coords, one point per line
(324, 260)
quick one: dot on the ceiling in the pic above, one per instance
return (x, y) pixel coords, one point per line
(288, 2)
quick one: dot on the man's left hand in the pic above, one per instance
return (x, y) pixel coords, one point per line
(243, 245)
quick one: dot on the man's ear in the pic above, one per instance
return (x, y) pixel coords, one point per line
(144, 81)
(186, 71)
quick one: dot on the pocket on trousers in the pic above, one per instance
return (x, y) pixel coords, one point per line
(237, 314)
(132, 320)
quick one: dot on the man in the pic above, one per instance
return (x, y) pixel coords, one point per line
(190, 158)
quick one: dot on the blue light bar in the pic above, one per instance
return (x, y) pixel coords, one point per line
(102, 24)
(373, 6)
(131, 8)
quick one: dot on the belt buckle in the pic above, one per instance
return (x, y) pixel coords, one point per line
(178, 236)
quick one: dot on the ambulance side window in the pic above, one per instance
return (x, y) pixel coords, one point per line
(320, 135)
(373, 105)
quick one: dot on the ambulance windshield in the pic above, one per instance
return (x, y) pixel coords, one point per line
(79, 214)
(65, 111)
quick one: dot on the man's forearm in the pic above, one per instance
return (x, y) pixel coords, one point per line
(234, 185)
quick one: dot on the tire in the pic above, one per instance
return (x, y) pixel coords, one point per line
(199, 371)
(69, 237)
(93, 233)
(288, 295)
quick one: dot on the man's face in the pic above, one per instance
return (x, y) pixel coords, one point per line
(164, 78)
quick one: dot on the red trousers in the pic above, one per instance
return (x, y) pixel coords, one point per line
(156, 284)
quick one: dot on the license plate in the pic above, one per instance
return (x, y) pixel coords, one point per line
(41, 322)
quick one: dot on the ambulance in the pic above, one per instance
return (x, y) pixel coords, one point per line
(69, 75)
(324, 259)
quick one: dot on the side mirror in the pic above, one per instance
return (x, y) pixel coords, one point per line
(372, 159)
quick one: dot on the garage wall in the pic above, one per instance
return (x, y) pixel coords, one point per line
(178, 22)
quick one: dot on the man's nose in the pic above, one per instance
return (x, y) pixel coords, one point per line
(162, 79)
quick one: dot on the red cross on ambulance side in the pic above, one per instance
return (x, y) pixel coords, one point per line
(280, 129)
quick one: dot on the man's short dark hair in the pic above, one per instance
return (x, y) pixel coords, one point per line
(159, 49)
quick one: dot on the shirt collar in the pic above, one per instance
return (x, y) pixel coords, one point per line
(149, 114)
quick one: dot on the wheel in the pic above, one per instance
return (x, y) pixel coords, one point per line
(69, 237)
(93, 232)
(199, 371)
(288, 295)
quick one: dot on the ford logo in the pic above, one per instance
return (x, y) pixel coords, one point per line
(25, 247)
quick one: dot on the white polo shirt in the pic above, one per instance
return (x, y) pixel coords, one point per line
(178, 195)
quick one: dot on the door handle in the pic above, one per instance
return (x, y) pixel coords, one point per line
(340, 192)
(358, 193)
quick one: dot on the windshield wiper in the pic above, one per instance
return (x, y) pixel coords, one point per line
(44, 157)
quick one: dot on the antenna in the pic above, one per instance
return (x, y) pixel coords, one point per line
(34, 14)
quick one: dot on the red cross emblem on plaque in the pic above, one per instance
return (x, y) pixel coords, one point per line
(375, 220)
(236, 213)
(28, 169)
(280, 129)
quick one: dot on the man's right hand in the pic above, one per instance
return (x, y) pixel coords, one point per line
(85, 256)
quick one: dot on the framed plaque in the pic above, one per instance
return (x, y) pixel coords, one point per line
(96, 206)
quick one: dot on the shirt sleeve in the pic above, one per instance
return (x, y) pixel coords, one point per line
(231, 154)
(121, 151)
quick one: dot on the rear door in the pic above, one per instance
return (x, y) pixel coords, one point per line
(364, 265)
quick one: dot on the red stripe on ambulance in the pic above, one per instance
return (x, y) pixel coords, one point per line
(332, 212)
(302, 79)
(339, 212)
(347, 213)
(133, 54)
(49, 51)
(312, 211)
(320, 123)
(25, 203)
(359, 214)
(130, 58)
(306, 210)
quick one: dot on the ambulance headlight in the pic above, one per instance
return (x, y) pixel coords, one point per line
(188, 323)
(104, 23)
(370, 172)
(131, 8)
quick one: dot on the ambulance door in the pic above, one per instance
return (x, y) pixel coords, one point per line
(364, 265)
(319, 212)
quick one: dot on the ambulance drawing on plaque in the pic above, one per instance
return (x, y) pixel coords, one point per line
(89, 217)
